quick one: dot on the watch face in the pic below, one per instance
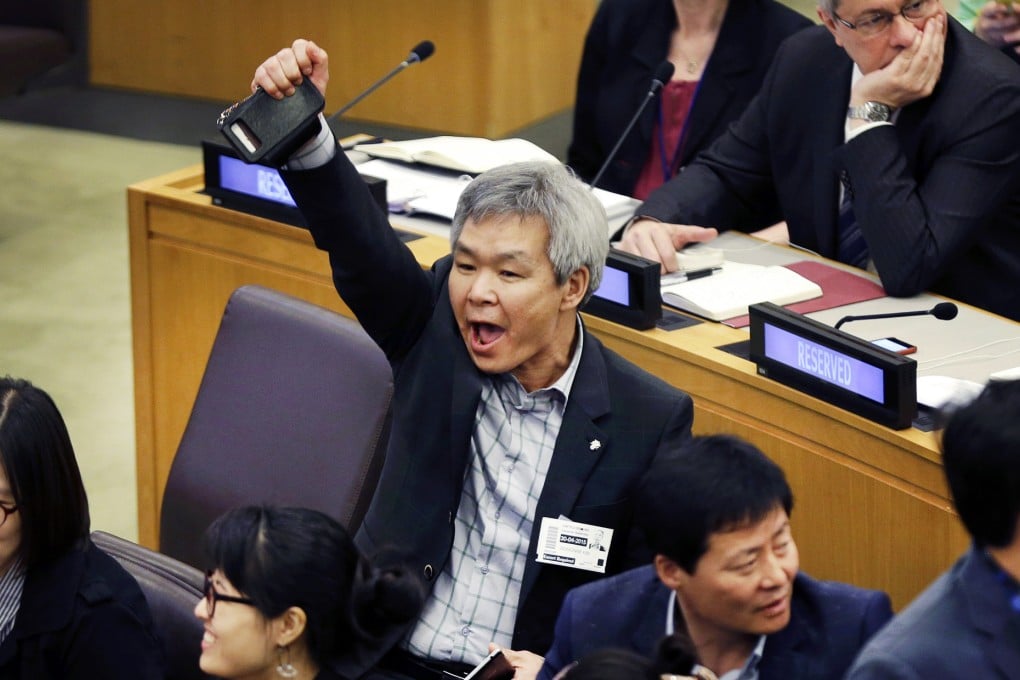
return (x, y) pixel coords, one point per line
(875, 111)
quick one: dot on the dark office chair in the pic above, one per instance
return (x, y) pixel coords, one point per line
(293, 409)
(172, 589)
(37, 37)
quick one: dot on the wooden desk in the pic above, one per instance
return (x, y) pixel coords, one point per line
(871, 503)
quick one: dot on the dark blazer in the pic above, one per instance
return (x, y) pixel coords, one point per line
(407, 312)
(627, 40)
(82, 616)
(937, 196)
(829, 623)
(960, 627)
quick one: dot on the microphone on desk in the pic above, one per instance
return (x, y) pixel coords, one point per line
(943, 311)
(419, 53)
(662, 75)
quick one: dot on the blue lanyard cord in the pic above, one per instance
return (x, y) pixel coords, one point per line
(1008, 582)
(671, 166)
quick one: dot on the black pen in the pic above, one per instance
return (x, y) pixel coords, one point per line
(680, 277)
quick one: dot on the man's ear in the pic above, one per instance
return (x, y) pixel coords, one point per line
(829, 23)
(289, 626)
(575, 289)
(670, 573)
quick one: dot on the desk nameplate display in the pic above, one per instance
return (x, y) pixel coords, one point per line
(832, 365)
(258, 189)
(629, 292)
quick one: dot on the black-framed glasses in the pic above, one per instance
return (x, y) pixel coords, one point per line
(873, 23)
(212, 596)
(6, 511)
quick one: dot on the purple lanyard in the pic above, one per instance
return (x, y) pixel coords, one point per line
(670, 167)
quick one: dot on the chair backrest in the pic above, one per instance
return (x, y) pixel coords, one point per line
(172, 589)
(293, 409)
(42, 42)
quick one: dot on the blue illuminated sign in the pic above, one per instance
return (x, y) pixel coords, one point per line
(824, 363)
(258, 181)
(615, 286)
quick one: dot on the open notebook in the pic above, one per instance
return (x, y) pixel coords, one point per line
(729, 292)
(472, 155)
(420, 189)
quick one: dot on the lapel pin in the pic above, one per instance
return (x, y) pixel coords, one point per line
(595, 445)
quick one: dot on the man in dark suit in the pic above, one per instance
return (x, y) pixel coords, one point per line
(725, 574)
(508, 417)
(894, 145)
(627, 41)
(967, 623)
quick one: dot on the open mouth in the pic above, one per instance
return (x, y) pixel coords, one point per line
(485, 334)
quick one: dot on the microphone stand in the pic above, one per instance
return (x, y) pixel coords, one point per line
(666, 70)
(890, 315)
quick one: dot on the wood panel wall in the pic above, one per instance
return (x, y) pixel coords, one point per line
(499, 64)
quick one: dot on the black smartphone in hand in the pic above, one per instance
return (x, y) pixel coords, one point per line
(493, 667)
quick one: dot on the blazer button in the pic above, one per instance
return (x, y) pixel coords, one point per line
(428, 572)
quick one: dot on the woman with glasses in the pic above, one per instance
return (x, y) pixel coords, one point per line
(67, 610)
(290, 596)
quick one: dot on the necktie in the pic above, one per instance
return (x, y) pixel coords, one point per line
(852, 248)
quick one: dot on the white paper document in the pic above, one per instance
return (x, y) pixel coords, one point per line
(730, 291)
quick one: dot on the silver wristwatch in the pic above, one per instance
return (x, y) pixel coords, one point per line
(873, 112)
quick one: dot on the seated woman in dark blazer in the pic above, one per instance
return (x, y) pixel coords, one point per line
(290, 596)
(721, 50)
(67, 609)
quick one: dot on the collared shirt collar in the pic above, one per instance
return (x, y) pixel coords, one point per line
(565, 382)
(12, 584)
(749, 671)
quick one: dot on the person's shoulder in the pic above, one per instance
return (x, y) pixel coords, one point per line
(629, 373)
(622, 594)
(105, 581)
(927, 634)
(626, 584)
(840, 605)
(834, 591)
(977, 63)
(780, 17)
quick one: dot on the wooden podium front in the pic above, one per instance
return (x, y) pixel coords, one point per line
(871, 507)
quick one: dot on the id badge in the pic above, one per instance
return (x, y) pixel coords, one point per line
(573, 544)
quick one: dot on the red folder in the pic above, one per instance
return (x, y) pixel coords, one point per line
(839, 287)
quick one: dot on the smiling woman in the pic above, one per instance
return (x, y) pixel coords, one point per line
(289, 595)
(67, 610)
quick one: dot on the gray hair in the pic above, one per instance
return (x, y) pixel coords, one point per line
(828, 6)
(578, 231)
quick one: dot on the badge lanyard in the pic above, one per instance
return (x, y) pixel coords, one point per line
(670, 166)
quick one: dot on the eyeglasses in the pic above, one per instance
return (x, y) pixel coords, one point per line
(873, 23)
(212, 597)
(7, 512)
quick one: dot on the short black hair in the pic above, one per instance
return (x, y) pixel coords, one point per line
(981, 458)
(674, 655)
(296, 557)
(38, 459)
(710, 484)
